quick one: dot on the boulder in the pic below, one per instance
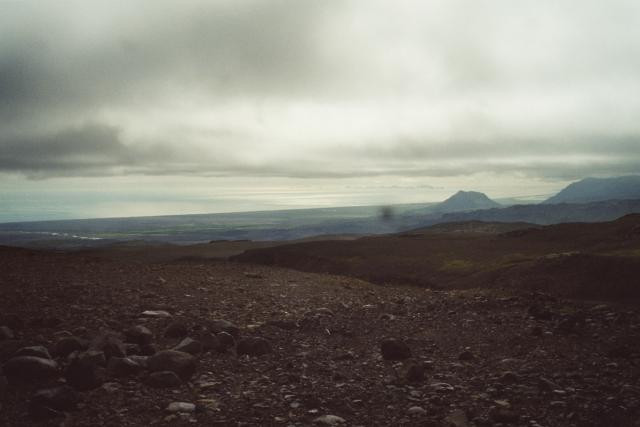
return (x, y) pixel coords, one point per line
(176, 330)
(253, 346)
(217, 326)
(30, 368)
(163, 379)
(139, 334)
(181, 363)
(51, 402)
(123, 367)
(67, 345)
(190, 346)
(6, 333)
(36, 350)
(84, 373)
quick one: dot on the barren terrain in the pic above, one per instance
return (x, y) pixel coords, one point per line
(473, 357)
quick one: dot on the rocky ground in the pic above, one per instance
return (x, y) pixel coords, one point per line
(94, 342)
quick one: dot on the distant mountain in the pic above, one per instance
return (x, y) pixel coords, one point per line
(550, 213)
(466, 201)
(598, 189)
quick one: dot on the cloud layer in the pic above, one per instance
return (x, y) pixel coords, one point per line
(301, 88)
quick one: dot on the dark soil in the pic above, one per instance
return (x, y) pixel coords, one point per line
(478, 357)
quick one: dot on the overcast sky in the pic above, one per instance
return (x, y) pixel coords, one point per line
(345, 102)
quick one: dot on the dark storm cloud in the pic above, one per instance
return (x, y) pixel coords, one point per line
(305, 88)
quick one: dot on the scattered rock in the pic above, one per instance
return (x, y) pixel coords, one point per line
(51, 402)
(182, 364)
(156, 313)
(329, 420)
(84, 373)
(184, 407)
(217, 326)
(163, 379)
(393, 349)
(253, 346)
(190, 346)
(416, 373)
(226, 341)
(176, 329)
(93, 357)
(139, 334)
(457, 418)
(30, 368)
(416, 411)
(503, 415)
(36, 351)
(210, 341)
(67, 345)
(110, 346)
(547, 385)
(123, 367)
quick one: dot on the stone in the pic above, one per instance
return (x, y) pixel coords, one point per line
(547, 385)
(50, 402)
(123, 367)
(457, 418)
(209, 341)
(67, 345)
(163, 379)
(4, 385)
(140, 360)
(329, 420)
(12, 320)
(394, 349)
(110, 345)
(226, 341)
(156, 313)
(416, 411)
(30, 368)
(503, 415)
(176, 330)
(190, 346)
(183, 407)
(178, 362)
(6, 333)
(416, 373)
(253, 346)
(217, 326)
(139, 334)
(84, 373)
(36, 351)
(93, 357)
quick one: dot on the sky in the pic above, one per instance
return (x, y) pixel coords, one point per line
(120, 108)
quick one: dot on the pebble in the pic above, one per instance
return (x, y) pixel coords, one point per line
(253, 346)
(36, 351)
(184, 407)
(156, 313)
(329, 420)
(163, 379)
(416, 410)
(182, 364)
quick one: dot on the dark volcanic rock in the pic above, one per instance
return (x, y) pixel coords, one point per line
(4, 384)
(48, 403)
(253, 346)
(466, 356)
(93, 357)
(503, 415)
(84, 373)
(217, 326)
(190, 346)
(30, 368)
(123, 367)
(6, 333)
(12, 320)
(393, 349)
(36, 350)
(182, 364)
(163, 379)
(416, 373)
(177, 330)
(110, 345)
(139, 334)
(226, 341)
(67, 345)
(209, 341)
